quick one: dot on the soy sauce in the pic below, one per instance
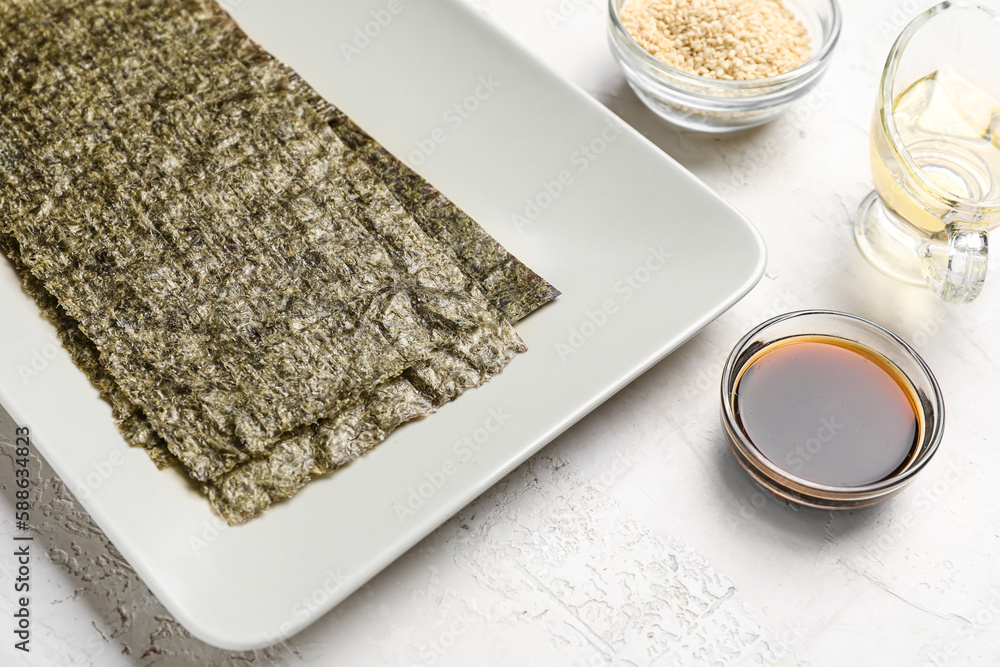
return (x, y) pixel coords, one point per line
(829, 411)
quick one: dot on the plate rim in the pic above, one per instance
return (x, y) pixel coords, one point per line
(430, 521)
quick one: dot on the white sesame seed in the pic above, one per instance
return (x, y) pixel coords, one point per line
(722, 39)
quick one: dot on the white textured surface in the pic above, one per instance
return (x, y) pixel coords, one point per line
(635, 538)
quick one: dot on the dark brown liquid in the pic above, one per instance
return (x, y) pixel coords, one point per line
(828, 411)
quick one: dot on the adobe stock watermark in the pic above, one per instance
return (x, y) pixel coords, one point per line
(757, 157)
(708, 377)
(898, 528)
(747, 508)
(454, 117)
(802, 111)
(783, 302)
(753, 161)
(307, 607)
(806, 451)
(463, 451)
(211, 529)
(624, 289)
(433, 650)
(928, 328)
(551, 189)
(102, 472)
(39, 361)
(982, 624)
(621, 467)
(901, 14)
(565, 10)
(365, 35)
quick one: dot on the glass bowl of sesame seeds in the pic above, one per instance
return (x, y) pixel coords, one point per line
(722, 65)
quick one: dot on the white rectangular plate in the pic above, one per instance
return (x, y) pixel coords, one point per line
(644, 254)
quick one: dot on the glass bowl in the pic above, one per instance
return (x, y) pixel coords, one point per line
(714, 105)
(865, 334)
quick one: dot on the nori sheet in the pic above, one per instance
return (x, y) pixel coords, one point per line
(133, 424)
(375, 420)
(513, 288)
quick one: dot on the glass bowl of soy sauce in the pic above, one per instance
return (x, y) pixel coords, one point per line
(830, 410)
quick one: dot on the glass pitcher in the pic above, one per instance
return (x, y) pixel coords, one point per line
(935, 153)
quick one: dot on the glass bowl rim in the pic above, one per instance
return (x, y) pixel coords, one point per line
(885, 100)
(780, 474)
(667, 72)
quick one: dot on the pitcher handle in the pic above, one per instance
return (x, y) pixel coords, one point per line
(954, 262)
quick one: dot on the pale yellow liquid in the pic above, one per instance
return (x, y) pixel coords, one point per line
(950, 129)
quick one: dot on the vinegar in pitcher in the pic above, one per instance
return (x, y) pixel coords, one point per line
(950, 129)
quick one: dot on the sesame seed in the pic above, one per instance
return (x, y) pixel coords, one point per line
(721, 39)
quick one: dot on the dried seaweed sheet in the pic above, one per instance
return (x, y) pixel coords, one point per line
(513, 288)
(275, 472)
(393, 304)
(251, 487)
(508, 284)
(134, 426)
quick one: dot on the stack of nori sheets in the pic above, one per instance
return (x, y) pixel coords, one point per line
(257, 287)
